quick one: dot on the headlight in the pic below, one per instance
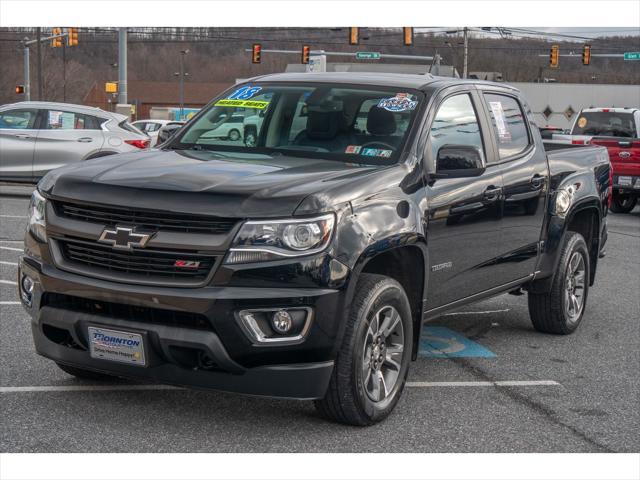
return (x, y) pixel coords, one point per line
(37, 222)
(259, 241)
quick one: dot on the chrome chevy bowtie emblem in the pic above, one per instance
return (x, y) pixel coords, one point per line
(123, 238)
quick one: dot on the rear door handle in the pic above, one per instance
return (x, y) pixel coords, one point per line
(537, 181)
(491, 193)
(85, 139)
(23, 136)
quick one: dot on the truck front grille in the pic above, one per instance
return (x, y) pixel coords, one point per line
(141, 264)
(145, 219)
(123, 311)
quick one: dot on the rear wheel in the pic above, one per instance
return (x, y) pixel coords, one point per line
(234, 135)
(84, 374)
(623, 203)
(560, 311)
(373, 361)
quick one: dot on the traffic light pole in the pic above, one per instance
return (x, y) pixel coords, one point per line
(27, 72)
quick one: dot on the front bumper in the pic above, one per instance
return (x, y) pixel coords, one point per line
(300, 371)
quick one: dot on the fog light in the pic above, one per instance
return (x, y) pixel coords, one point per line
(26, 290)
(276, 326)
(281, 322)
(27, 284)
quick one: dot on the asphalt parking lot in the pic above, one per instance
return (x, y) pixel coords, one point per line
(575, 393)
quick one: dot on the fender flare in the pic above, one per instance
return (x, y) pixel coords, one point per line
(401, 241)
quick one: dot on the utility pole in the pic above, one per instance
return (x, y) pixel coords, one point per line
(39, 65)
(122, 65)
(466, 52)
(27, 80)
(64, 73)
(182, 74)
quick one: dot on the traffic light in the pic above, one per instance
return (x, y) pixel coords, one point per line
(353, 35)
(408, 36)
(19, 89)
(72, 37)
(554, 56)
(256, 55)
(586, 55)
(306, 51)
(56, 42)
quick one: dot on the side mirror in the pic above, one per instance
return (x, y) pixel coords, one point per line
(457, 161)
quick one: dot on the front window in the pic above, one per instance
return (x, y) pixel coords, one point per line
(334, 122)
(605, 124)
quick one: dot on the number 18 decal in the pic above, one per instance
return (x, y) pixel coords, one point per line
(244, 93)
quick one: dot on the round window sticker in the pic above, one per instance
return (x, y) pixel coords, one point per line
(582, 122)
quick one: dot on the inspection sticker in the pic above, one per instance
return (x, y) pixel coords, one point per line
(353, 149)
(441, 342)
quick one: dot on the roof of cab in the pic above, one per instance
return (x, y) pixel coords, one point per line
(401, 80)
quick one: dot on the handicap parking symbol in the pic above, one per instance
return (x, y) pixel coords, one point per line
(442, 342)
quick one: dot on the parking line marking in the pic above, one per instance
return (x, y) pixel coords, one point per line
(476, 313)
(8, 263)
(11, 241)
(8, 282)
(497, 383)
(9, 303)
(120, 388)
(13, 216)
(12, 249)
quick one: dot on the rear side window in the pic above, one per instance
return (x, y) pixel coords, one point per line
(18, 119)
(605, 124)
(59, 120)
(128, 127)
(508, 124)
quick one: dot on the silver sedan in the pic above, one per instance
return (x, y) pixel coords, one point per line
(36, 137)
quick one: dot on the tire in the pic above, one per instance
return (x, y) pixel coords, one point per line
(351, 397)
(250, 137)
(623, 203)
(234, 135)
(84, 374)
(552, 312)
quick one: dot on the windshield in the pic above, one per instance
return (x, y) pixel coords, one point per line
(334, 122)
(606, 124)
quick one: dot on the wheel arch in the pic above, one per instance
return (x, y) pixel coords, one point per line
(405, 263)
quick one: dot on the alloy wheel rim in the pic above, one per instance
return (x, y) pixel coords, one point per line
(383, 353)
(575, 287)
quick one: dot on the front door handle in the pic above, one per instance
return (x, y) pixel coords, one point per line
(492, 193)
(85, 139)
(537, 181)
(23, 136)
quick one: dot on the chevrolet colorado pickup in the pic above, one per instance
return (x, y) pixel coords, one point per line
(304, 264)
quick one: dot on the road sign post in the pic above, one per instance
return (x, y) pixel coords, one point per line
(632, 55)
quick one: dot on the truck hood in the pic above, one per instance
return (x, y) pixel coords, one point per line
(227, 185)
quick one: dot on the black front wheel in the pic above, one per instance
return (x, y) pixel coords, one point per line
(561, 310)
(373, 361)
(623, 203)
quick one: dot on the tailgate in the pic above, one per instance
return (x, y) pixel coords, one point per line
(624, 154)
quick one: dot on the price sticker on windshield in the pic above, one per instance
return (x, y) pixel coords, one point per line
(242, 98)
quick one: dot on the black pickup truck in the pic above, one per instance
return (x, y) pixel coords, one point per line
(304, 263)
